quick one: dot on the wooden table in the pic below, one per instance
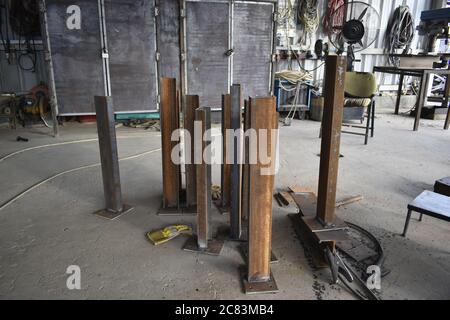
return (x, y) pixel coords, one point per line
(424, 75)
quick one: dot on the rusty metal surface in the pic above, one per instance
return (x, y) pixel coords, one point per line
(132, 54)
(252, 42)
(108, 154)
(169, 123)
(263, 115)
(207, 29)
(192, 103)
(226, 166)
(203, 180)
(236, 166)
(76, 56)
(331, 137)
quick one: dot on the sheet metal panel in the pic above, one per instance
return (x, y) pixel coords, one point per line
(76, 56)
(131, 36)
(252, 43)
(169, 38)
(207, 30)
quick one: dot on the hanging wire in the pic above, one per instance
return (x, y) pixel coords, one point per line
(308, 17)
(400, 33)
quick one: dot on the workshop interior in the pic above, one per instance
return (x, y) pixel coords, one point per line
(224, 150)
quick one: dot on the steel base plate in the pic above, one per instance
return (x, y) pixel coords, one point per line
(111, 215)
(214, 246)
(269, 286)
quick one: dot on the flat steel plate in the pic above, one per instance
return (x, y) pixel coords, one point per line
(113, 215)
(269, 286)
(214, 246)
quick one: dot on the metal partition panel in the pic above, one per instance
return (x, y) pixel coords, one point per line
(76, 56)
(131, 36)
(207, 30)
(252, 43)
(169, 38)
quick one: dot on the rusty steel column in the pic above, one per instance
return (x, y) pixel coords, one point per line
(109, 159)
(169, 115)
(264, 120)
(245, 166)
(224, 205)
(203, 242)
(236, 165)
(331, 138)
(192, 104)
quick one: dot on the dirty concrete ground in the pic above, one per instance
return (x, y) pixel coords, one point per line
(52, 227)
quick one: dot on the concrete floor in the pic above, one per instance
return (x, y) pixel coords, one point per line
(53, 227)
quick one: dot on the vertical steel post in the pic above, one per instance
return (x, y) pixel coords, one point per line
(331, 137)
(192, 104)
(264, 120)
(203, 242)
(445, 103)
(236, 166)
(226, 161)
(245, 166)
(109, 158)
(169, 123)
(204, 181)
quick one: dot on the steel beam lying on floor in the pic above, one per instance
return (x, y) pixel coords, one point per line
(169, 114)
(202, 242)
(109, 159)
(263, 116)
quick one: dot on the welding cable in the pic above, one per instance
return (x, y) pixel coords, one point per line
(12, 154)
(401, 32)
(37, 185)
(308, 17)
(333, 18)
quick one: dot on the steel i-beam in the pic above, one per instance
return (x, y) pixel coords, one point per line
(109, 159)
(263, 116)
(202, 242)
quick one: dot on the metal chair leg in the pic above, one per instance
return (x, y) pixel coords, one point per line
(369, 113)
(373, 119)
(408, 217)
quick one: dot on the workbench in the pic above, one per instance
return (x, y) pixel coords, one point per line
(424, 75)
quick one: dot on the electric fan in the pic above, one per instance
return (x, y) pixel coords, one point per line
(356, 24)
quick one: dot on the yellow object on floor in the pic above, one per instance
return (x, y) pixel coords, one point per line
(168, 233)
